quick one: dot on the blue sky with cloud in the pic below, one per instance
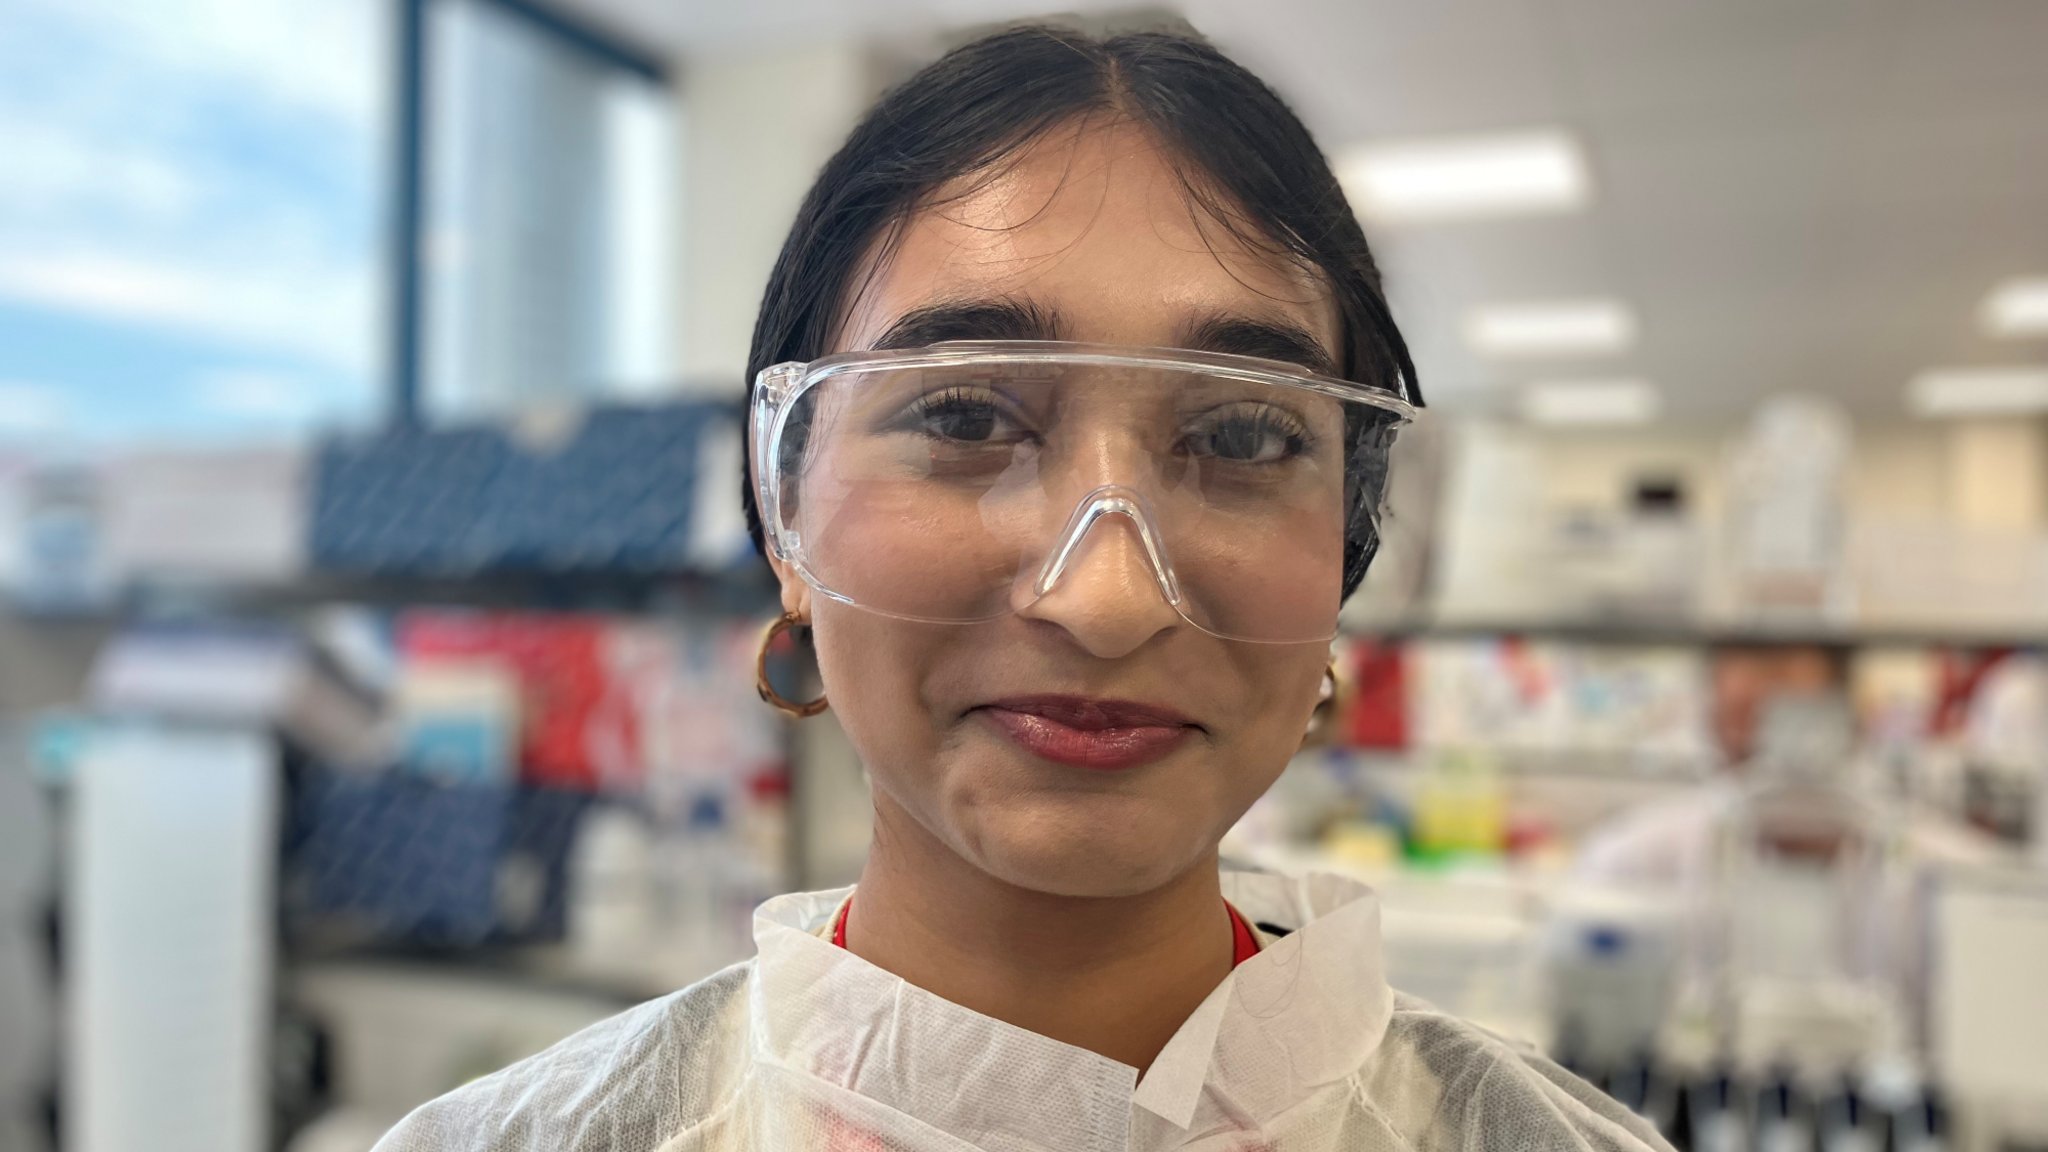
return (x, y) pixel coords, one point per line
(190, 224)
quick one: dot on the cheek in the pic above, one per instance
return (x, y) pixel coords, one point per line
(1275, 677)
(1280, 685)
(873, 668)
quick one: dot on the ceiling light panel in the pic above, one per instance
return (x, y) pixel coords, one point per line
(2007, 391)
(1551, 328)
(1590, 403)
(1466, 177)
(2017, 308)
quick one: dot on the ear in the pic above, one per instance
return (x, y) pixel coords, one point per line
(796, 594)
(1330, 698)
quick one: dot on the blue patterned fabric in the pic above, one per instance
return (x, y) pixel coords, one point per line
(394, 858)
(615, 496)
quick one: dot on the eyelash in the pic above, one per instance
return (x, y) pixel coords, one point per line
(1266, 420)
(980, 403)
(957, 397)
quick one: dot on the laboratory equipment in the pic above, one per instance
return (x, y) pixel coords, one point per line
(1989, 1002)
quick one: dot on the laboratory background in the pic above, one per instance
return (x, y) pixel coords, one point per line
(378, 620)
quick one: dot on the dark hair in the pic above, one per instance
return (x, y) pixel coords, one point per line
(1244, 156)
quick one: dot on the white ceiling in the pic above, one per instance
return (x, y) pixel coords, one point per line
(1810, 194)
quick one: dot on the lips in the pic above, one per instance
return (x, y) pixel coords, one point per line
(1106, 735)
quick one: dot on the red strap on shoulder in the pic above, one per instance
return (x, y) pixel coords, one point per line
(1246, 943)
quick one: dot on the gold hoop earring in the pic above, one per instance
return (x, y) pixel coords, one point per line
(768, 693)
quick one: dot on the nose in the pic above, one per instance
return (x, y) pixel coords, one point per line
(1107, 584)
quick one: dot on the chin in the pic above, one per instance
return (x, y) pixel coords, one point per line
(1095, 855)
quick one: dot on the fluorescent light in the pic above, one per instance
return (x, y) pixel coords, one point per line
(2010, 391)
(1461, 177)
(1551, 328)
(1590, 403)
(2017, 307)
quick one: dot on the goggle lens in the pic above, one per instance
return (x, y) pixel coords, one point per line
(964, 491)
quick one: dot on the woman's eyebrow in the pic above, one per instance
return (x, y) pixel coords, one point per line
(1266, 339)
(1000, 319)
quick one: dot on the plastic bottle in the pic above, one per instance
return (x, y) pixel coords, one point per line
(709, 895)
(611, 893)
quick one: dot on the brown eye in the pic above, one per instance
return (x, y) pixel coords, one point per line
(1248, 435)
(964, 416)
(961, 421)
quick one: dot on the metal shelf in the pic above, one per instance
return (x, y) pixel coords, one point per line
(1699, 633)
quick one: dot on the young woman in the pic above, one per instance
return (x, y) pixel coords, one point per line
(1074, 390)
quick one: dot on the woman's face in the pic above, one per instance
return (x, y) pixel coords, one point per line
(969, 731)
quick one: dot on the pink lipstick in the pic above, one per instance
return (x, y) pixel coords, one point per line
(1106, 735)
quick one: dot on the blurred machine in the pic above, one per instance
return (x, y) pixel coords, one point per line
(169, 942)
(1611, 959)
(1989, 999)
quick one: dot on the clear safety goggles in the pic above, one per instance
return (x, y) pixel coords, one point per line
(961, 482)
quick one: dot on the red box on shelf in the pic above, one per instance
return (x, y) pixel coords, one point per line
(580, 725)
(1376, 715)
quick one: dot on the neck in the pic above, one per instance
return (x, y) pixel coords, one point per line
(1115, 975)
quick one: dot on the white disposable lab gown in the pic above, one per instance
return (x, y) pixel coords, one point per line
(808, 1046)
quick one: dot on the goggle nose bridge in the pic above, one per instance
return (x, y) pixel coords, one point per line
(1111, 500)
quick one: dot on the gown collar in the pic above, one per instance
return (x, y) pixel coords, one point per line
(1305, 1012)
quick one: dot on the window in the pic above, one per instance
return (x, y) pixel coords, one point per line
(544, 201)
(196, 216)
(190, 218)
